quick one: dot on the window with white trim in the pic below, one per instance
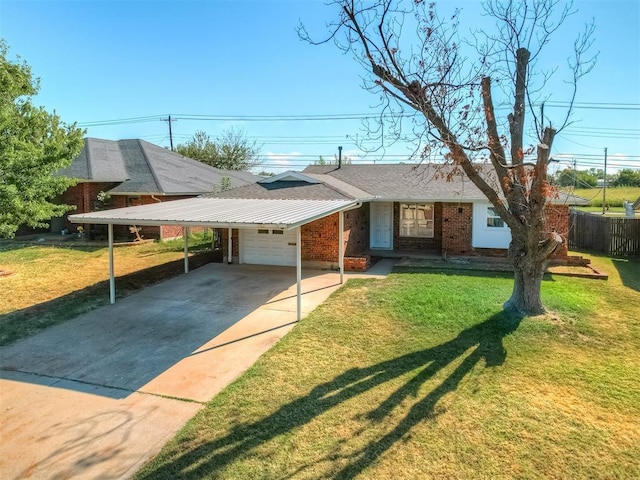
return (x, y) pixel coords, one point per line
(416, 220)
(493, 219)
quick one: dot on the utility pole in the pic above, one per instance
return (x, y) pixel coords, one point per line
(170, 121)
(575, 175)
(604, 190)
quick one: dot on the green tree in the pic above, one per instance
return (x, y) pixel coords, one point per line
(627, 178)
(439, 91)
(232, 150)
(34, 144)
(577, 178)
(321, 161)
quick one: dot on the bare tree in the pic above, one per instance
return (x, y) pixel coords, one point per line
(434, 94)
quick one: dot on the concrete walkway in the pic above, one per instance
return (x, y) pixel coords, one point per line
(99, 395)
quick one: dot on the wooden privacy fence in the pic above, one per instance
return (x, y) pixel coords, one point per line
(610, 235)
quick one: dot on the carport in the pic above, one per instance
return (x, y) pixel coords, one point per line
(247, 214)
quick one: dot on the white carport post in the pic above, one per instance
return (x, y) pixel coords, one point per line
(112, 280)
(185, 234)
(230, 247)
(341, 244)
(299, 272)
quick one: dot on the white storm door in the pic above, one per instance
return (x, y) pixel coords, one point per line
(382, 225)
(268, 247)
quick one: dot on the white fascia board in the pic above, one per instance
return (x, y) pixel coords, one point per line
(350, 206)
(433, 200)
(80, 218)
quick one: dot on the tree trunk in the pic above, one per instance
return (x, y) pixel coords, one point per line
(528, 269)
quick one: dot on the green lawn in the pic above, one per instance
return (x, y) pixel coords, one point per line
(421, 375)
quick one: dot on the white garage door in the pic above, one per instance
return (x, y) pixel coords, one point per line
(268, 247)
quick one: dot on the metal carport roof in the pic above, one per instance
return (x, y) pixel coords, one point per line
(220, 213)
(225, 213)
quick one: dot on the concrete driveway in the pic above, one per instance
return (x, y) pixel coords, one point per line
(99, 395)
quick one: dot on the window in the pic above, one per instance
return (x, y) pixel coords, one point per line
(277, 232)
(416, 220)
(493, 219)
(263, 232)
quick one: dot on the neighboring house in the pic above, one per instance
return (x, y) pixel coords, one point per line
(135, 172)
(404, 208)
(386, 210)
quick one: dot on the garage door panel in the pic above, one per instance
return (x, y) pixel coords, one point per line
(264, 247)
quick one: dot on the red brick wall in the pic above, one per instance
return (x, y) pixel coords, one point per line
(357, 264)
(235, 243)
(456, 228)
(84, 196)
(418, 243)
(558, 221)
(320, 239)
(356, 230)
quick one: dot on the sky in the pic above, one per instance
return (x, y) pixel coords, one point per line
(120, 69)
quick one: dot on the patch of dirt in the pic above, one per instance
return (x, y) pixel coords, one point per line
(577, 271)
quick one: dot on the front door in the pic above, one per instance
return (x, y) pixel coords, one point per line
(382, 225)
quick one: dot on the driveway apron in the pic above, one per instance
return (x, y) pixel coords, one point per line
(99, 395)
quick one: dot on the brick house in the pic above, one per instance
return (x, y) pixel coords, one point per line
(403, 209)
(136, 172)
(385, 210)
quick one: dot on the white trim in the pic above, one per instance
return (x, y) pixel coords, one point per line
(185, 234)
(299, 273)
(112, 278)
(483, 236)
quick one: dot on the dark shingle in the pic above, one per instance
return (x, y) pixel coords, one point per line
(425, 183)
(284, 190)
(146, 168)
(403, 182)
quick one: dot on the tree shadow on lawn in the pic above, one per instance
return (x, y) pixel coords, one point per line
(629, 271)
(484, 338)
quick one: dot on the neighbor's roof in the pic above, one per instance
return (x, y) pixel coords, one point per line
(412, 182)
(143, 168)
(220, 213)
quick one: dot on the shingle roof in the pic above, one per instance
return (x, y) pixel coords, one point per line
(284, 190)
(397, 182)
(410, 182)
(142, 167)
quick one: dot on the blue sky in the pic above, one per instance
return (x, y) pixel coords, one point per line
(105, 60)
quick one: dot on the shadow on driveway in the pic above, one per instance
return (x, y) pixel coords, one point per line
(123, 347)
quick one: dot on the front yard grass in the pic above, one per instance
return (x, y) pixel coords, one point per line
(422, 375)
(52, 284)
